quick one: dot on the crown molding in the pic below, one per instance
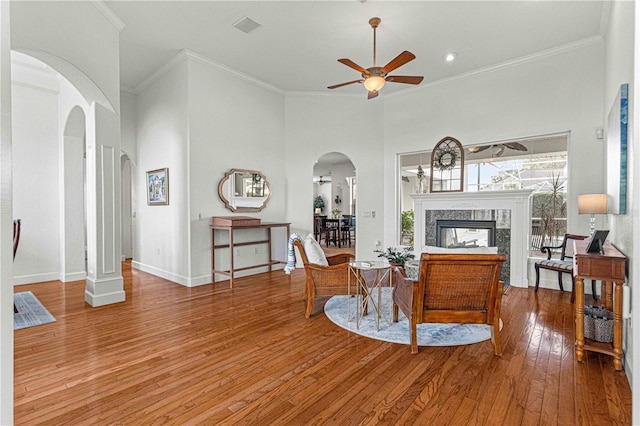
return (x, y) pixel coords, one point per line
(213, 64)
(165, 68)
(128, 89)
(480, 71)
(109, 14)
(604, 18)
(589, 41)
(185, 54)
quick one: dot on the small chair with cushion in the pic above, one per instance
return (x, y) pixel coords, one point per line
(452, 288)
(563, 265)
(326, 275)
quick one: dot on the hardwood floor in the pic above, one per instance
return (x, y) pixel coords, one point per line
(211, 355)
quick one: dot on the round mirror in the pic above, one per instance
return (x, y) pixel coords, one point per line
(244, 190)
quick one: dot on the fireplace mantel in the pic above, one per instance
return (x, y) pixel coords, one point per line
(518, 202)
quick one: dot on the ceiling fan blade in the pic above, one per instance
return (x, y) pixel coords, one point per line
(515, 145)
(398, 61)
(351, 64)
(344, 84)
(407, 79)
(474, 149)
(372, 95)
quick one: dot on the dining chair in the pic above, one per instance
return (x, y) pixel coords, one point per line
(348, 228)
(17, 224)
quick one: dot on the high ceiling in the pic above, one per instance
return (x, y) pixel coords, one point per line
(298, 43)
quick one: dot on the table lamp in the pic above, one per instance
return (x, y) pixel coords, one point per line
(592, 204)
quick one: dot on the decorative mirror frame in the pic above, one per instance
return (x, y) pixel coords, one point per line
(447, 165)
(229, 202)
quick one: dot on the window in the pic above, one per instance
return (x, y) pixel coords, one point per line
(536, 163)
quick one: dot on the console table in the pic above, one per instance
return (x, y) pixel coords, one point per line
(609, 267)
(239, 223)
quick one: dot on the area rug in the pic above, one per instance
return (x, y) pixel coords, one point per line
(337, 310)
(30, 311)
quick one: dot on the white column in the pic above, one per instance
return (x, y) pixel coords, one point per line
(104, 271)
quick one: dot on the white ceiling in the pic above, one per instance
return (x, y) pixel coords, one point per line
(298, 43)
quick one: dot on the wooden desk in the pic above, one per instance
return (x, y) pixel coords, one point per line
(609, 267)
(230, 230)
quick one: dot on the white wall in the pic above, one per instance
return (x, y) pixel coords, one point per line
(36, 180)
(128, 122)
(555, 93)
(319, 124)
(340, 186)
(233, 123)
(128, 125)
(161, 231)
(324, 191)
(623, 228)
(55, 29)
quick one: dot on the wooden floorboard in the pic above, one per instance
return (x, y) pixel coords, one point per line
(213, 355)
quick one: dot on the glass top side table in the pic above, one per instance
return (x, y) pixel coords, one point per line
(383, 269)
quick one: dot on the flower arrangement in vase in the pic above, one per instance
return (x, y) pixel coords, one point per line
(397, 256)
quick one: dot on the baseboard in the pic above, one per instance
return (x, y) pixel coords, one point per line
(104, 299)
(161, 273)
(195, 281)
(104, 291)
(36, 278)
(198, 281)
(75, 276)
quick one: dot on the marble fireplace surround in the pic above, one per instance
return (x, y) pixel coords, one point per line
(518, 202)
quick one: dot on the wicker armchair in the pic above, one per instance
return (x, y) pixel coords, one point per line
(324, 280)
(452, 288)
(563, 265)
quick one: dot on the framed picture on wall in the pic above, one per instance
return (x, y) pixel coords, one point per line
(158, 187)
(617, 135)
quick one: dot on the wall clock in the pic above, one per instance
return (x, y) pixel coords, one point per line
(447, 166)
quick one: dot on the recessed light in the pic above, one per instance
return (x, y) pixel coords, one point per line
(450, 57)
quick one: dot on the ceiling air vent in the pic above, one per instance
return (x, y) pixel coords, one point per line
(246, 24)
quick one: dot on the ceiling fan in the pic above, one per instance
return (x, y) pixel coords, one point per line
(322, 181)
(375, 77)
(500, 147)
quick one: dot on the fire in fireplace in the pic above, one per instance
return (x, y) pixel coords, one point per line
(465, 233)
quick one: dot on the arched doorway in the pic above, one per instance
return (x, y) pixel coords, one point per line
(335, 191)
(75, 224)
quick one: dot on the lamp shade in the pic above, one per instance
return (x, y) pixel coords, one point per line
(374, 83)
(592, 204)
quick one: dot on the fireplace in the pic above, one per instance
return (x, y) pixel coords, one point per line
(511, 211)
(465, 233)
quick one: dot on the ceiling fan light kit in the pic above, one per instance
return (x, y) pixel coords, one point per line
(374, 78)
(374, 83)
